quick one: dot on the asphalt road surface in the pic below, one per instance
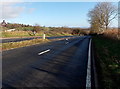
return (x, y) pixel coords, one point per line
(29, 38)
(55, 64)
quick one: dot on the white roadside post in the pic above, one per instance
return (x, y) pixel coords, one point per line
(44, 36)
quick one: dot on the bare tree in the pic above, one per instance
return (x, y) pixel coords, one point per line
(36, 29)
(101, 16)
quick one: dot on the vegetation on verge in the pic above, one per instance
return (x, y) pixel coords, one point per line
(6, 46)
(10, 45)
(108, 57)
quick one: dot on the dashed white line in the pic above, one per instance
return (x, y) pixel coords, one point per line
(44, 52)
(88, 77)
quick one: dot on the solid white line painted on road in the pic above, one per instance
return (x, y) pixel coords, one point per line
(44, 52)
(88, 77)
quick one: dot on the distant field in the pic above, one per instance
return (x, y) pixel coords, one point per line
(16, 34)
(29, 33)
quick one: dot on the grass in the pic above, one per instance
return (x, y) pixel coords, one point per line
(58, 34)
(28, 34)
(9, 45)
(108, 58)
(19, 34)
(6, 46)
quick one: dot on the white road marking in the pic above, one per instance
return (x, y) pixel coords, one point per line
(88, 77)
(44, 52)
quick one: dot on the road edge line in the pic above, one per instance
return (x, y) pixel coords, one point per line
(88, 77)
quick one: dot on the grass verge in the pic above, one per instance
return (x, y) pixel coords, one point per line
(108, 58)
(6, 46)
(10, 45)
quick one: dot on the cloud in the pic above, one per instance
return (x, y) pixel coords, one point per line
(12, 1)
(9, 10)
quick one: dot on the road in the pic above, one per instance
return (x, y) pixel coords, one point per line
(55, 64)
(28, 38)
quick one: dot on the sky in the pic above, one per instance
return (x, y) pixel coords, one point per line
(53, 14)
